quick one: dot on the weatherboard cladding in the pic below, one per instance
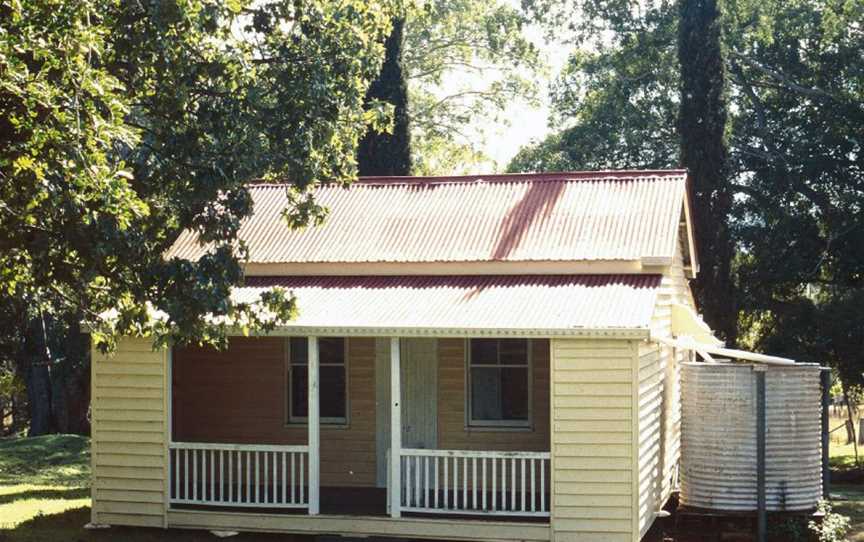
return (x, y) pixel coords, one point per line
(554, 302)
(548, 217)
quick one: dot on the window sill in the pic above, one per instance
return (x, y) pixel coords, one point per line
(499, 429)
(323, 425)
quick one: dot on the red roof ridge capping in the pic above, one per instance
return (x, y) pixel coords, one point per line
(604, 175)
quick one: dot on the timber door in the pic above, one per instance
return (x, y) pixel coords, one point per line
(419, 380)
(419, 393)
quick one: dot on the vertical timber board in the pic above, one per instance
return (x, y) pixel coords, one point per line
(592, 440)
(130, 434)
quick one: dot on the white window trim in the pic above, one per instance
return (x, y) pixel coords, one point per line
(294, 421)
(492, 425)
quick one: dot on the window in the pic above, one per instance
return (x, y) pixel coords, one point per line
(332, 379)
(499, 390)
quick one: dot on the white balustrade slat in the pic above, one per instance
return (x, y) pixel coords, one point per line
(248, 483)
(266, 472)
(474, 482)
(203, 490)
(212, 477)
(257, 479)
(195, 474)
(176, 474)
(533, 489)
(512, 484)
(494, 484)
(435, 499)
(426, 482)
(485, 489)
(455, 483)
(465, 482)
(446, 483)
(523, 485)
(542, 485)
(417, 480)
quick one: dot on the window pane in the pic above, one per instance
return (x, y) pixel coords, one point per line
(485, 393)
(514, 351)
(484, 351)
(299, 389)
(299, 350)
(514, 394)
(331, 350)
(332, 392)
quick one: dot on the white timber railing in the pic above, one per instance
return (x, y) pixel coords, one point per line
(244, 475)
(474, 482)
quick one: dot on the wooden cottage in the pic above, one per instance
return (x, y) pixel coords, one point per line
(475, 358)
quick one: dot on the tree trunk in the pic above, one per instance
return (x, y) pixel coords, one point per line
(851, 423)
(35, 365)
(77, 377)
(39, 398)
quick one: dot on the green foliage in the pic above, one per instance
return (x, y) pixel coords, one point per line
(464, 60)
(388, 152)
(800, 209)
(615, 104)
(124, 123)
(790, 529)
(833, 527)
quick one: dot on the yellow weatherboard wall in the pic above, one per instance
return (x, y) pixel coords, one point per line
(129, 445)
(592, 440)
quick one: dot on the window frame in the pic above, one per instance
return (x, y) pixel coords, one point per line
(292, 420)
(523, 425)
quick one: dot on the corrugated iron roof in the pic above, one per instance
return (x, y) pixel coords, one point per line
(500, 302)
(543, 217)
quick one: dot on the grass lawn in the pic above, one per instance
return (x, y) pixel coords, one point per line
(848, 498)
(45, 496)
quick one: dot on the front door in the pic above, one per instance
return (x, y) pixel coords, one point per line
(419, 360)
(419, 393)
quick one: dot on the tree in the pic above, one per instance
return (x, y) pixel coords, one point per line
(123, 123)
(465, 62)
(383, 153)
(705, 154)
(615, 105)
(798, 137)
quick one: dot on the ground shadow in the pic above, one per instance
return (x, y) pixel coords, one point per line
(52, 493)
(68, 526)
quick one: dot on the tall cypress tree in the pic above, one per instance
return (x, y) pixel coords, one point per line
(704, 152)
(382, 153)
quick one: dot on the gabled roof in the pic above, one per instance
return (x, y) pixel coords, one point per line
(537, 305)
(593, 217)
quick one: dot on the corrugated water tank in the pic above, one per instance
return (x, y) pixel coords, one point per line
(718, 436)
